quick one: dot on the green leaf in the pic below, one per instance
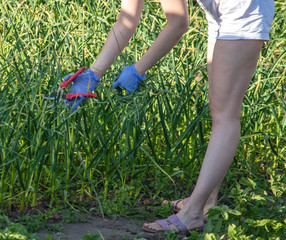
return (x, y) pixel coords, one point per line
(225, 215)
(278, 226)
(263, 222)
(218, 226)
(209, 236)
(234, 212)
(231, 230)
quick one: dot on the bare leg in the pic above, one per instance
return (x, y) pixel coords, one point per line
(212, 200)
(232, 68)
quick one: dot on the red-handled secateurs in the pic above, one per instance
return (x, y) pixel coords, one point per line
(60, 92)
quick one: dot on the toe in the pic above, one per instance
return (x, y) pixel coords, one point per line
(153, 226)
(178, 204)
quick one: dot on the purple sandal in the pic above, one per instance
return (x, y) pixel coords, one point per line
(175, 204)
(184, 201)
(165, 225)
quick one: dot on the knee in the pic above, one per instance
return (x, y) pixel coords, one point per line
(225, 114)
(224, 108)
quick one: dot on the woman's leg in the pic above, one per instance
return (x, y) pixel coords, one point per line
(212, 200)
(119, 35)
(233, 65)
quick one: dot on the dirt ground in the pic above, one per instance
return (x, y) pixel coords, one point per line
(66, 225)
(121, 228)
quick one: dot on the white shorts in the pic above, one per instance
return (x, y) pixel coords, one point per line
(238, 19)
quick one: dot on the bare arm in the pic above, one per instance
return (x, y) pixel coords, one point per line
(119, 35)
(177, 23)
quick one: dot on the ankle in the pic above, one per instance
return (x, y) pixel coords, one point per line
(192, 220)
(194, 213)
(208, 206)
(212, 201)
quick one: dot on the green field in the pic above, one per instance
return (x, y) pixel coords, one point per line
(118, 150)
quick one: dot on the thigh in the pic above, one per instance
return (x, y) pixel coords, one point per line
(209, 63)
(233, 64)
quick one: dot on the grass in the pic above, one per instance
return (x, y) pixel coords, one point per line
(122, 149)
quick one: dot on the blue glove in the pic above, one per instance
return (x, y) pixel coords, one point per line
(129, 79)
(84, 83)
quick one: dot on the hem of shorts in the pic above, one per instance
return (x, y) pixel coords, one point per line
(250, 36)
(264, 36)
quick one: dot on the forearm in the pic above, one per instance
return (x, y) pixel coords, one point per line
(176, 26)
(119, 35)
(115, 43)
(166, 40)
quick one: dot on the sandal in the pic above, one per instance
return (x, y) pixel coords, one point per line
(165, 225)
(175, 204)
(176, 209)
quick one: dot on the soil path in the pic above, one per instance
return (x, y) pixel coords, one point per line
(121, 228)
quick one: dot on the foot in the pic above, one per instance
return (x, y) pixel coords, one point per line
(173, 223)
(177, 205)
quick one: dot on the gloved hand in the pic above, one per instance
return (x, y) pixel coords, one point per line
(129, 79)
(84, 83)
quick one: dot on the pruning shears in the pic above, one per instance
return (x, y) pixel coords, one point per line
(60, 92)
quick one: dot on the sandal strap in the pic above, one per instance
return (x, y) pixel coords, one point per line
(184, 201)
(165, 224)
(173, 219)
